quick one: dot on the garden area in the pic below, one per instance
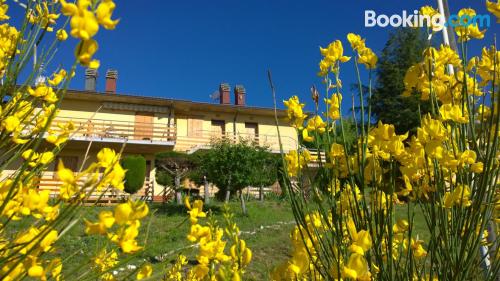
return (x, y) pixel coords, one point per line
(400, 183)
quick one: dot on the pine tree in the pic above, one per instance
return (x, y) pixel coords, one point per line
(403, 49)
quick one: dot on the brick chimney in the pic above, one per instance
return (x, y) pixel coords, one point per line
(90, 79)
(111, 77)
(224, 92)
(239, 95)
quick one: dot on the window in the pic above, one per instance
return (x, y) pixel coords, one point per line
(195, 127)
(252, 131)
(218, 128)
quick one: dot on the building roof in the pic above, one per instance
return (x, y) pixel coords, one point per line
(177, 104)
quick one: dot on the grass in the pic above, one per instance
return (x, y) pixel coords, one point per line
(266, 231)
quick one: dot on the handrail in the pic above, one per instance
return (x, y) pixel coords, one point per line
(204, 137)
(106, 128)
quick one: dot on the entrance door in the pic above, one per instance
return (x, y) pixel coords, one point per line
(218, 128)
(143, 129)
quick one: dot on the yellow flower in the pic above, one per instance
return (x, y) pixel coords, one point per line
(47, 241)
(334, 103)
(460, 196)
(61, 35)
(430, 12)
(494, 8)
(11, 123)
(106, 221)
(306, 137)
(36, 271)
(357, 43)
(197, 232)
(107, 157)
(356, 268)
(468, 157)
(46, 158)
(85, 50)
(105, 261)
(130, 211)
(454, 113)
(334, 52)
(42, 91)
(144, 272)
(104, 12)
(295, 115)
(94, 64)
(368, 58)
(296, 162)
(57, 78)
(3, 10)
(466, 30)
(361, 241)
(316, 124)
(400, 226)
(83, 22)
(125, 238)
(196, 211)
(477, 167)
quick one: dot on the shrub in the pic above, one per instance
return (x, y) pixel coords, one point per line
(136, 172)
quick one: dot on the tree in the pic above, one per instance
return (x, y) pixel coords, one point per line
(403, 49)
(231, 167)
(198, 174)
(136, 172)
(165, 179)
(265, 172)
(178, 166)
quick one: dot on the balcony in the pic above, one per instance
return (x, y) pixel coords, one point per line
(51, 183)
(202, 140)
(116, 131)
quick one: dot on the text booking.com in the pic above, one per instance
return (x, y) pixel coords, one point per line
(415, 19)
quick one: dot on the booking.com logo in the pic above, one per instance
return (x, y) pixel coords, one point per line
(415, 19)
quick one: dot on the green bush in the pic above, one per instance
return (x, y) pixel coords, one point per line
(136, 172)
(164, 178)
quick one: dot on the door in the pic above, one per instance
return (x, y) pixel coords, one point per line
(143, 129)
(218, 128)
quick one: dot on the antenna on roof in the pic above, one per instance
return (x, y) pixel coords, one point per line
(215, 95)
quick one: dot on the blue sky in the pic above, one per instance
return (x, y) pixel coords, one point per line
(184, 49)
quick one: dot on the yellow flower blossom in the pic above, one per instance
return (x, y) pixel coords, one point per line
(195, 211)
(467, 30)
(57, 78)
(494, 8)
(106, 221)
(294, 112)
(334, 103)
(85, 50)
(460, 196)
(454, 113)
(11, 123)
(356, 268)
(144, 272)
(61, 35)
(104, 12)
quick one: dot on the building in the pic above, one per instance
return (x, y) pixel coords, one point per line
(148, 125)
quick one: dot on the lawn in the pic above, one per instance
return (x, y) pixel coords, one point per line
(266, 231)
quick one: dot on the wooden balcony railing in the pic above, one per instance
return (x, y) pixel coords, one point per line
(203, 139)
(107, 196)
(116, 129)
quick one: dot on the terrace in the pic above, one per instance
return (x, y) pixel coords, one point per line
(117, 131)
